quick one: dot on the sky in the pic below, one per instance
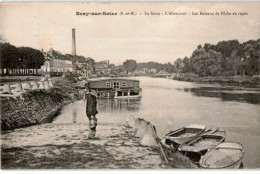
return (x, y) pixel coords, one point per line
(161, 38)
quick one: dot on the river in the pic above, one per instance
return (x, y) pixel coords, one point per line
(167, 104)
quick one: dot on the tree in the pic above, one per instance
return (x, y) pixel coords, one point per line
(235, 62)
(207, 47)
(130, 65)
(199, 47)
(199, 57)
(178, 64)
(169, 67)
(9, 57)
(227, 47)
(215, 63)
(226, 57)
(251, 59)
(207, 63)
(186, 65)
(30, 58)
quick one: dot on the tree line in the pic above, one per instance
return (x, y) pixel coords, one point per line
(226, 58)
(14, 58)
(17, 59)
(167, 67)
(131, 65)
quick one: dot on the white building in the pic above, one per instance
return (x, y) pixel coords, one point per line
(55, 64)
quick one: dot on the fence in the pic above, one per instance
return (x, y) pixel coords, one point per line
(7, 90)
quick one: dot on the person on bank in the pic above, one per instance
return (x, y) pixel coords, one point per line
(90, 98)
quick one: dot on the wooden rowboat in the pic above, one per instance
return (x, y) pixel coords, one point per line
(182, 135)
(227, 155)
(200, 144)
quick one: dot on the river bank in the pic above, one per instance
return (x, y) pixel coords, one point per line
(116, 148)
(66, 146)
(246, 81)
(37, 106)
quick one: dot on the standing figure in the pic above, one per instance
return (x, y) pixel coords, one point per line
(91, 111)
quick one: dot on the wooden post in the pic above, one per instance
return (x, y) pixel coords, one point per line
(159, 143)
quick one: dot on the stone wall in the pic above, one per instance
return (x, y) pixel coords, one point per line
(32, 107)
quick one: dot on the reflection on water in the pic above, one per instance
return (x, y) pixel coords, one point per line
(74, 116)
(109, 111)
(226, 94)
(170, 104)
(118, 105)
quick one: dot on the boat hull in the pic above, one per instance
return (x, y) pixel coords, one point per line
(233, 166)
(182, 135)
(201, 143)
(227, 155)
(125, 97)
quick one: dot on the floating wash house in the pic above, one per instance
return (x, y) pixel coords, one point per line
(115, 87)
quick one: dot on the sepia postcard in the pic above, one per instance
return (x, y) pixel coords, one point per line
(130, 85)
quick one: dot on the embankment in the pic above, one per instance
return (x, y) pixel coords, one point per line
(253, 81)
(36, 106)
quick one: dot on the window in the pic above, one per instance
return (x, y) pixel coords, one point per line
(123, 84)
(108, 84)
(51, 63)
(116, 85)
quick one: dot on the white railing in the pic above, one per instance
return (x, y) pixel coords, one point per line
(17, 89)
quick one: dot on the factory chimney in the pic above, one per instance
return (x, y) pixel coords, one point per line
(73, 42)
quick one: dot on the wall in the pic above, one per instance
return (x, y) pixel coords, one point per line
(32, 107)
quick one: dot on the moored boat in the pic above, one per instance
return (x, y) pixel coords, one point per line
(182, 135)
(116, 88)
(201, 143)
(226, 155)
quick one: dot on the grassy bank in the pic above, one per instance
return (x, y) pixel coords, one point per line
(246, 81)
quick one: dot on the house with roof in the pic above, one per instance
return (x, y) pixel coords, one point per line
(56, 63)
(102, 68)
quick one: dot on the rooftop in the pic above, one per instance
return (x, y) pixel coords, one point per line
(112, 78)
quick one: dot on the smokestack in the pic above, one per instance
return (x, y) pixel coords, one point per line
(73, 42)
